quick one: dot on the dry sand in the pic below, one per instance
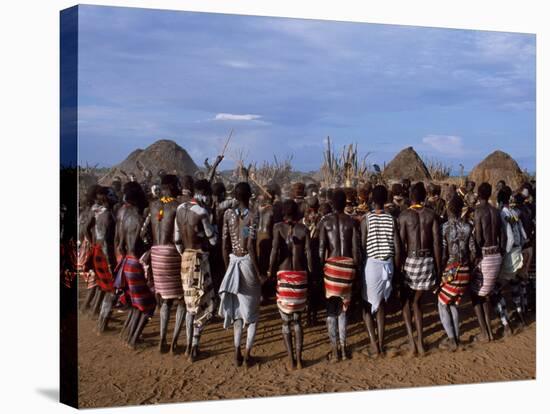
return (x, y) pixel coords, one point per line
(112, 375)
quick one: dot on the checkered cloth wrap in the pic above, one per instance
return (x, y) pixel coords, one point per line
(486, 274)
(339, 273)
(196, 281)
(291, 290)
(104, 278)
(166, 264)
(452, 292)
(131, 278)
(419, 273)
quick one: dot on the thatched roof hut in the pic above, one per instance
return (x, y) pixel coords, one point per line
(163, 154)
(498, 166)
(407, 164)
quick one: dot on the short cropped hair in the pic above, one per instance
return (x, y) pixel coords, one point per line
(455, 205)
(418, 192)
(290, 208)
(242, 191)
(503, 196)
(379, 195)
(339, 200)
(484, 191)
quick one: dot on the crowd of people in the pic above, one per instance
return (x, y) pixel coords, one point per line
(208, 251)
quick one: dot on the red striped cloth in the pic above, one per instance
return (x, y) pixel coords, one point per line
(104, 278)
(339, 274)
(131, 277)
(291, 290)
(452, 291)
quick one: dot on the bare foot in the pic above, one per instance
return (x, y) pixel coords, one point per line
(299, 363)
(508, 331)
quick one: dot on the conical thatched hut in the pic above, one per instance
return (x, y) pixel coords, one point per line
(163, 154)
(498, 166)
(407, 164)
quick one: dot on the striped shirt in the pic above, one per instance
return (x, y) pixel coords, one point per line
(380, 235)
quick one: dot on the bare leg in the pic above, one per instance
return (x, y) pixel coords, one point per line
(164, 319)
(133, 325)
(237, 335)
(447, 322)
(98, 299)
(381, 322)
(332, 328)
(250, 336)
(126, 326)
(89, 297)
(408, 323)
(105, 313)
(342, 332)
(143, 319)
(299, 338)
(418, 319)
(189, 320)
(479, 309)
(369, 323)
(180, 316)
(287, 338)
(195, 343)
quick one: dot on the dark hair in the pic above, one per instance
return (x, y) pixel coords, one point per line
(504, 195)
(519, 199)
(290, 208)
(379, 195)
(312, 202)
(418, 192)
(273, 189)
(455, 205)
(134, 195)
(351, 194)
(298, 189)
(484, 191)
(218, 189)
(187, 183)
(325, 209)
(91, 194)
(397, 189)
(339, 200)
(203, 187)
(170, 182)
(242, 191)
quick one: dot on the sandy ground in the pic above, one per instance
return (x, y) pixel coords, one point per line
(112, 375)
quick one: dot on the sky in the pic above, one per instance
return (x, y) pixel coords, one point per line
(284, 85)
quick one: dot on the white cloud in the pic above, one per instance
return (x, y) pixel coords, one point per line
(238, 64)
(445, 144)
(237, 117)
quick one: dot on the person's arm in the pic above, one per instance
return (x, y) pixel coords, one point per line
(444, 246)
(274, 251)
(209, 229)
(397, 246)
(356, 245)
(437, 245)
(478, 231)
(226, 239)
(145, 229)
(403, 235)
(178, 241)
(253, 230)
(322, 243)
(472, 247)
(364, 234)
(309, 258)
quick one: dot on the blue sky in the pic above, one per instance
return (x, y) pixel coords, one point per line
(284, 85)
